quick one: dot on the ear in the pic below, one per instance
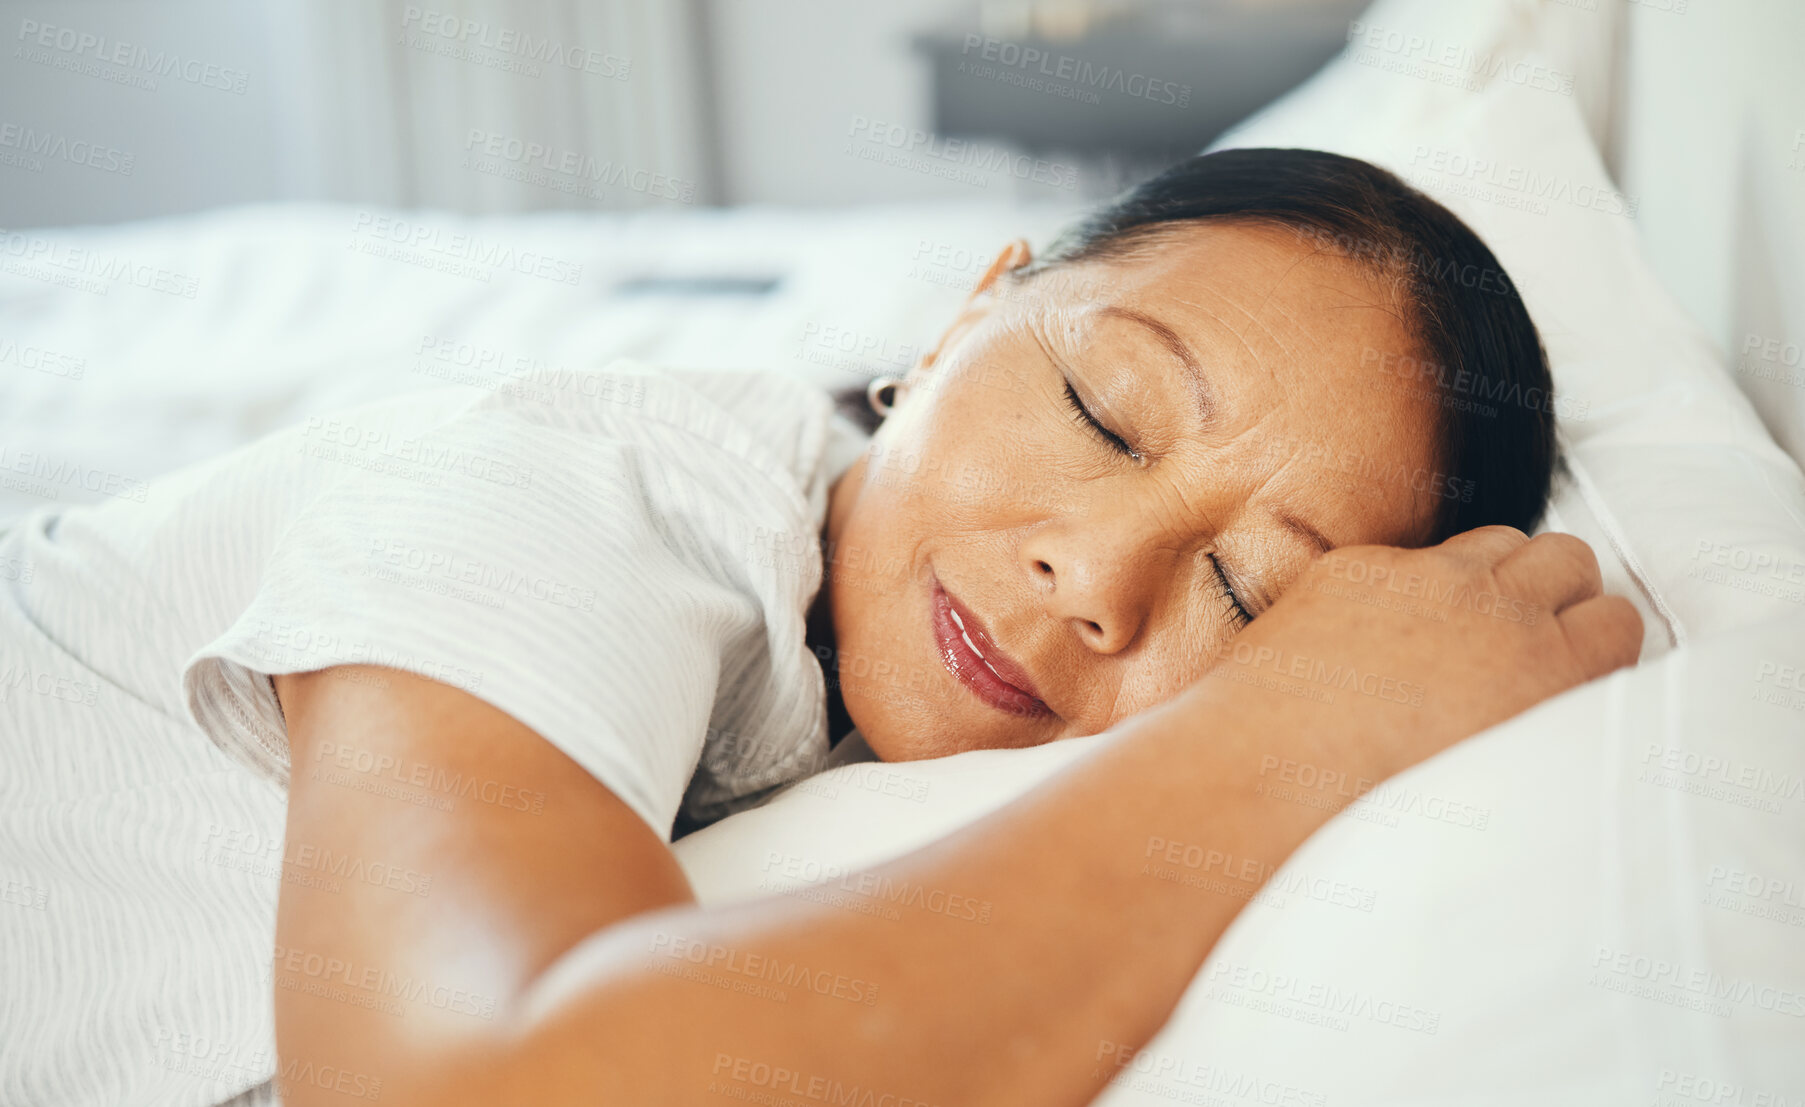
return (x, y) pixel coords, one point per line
(1012, 257)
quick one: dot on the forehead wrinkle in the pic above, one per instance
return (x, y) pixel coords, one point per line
(1170, 513)
(1216, 317)
(1309, 337)
(1282, 509)
(1059, 320)
(1260, 488)
(1277, 283)
(1388, 306)
(1416, 498)
(1253, 317)
(1333, 290)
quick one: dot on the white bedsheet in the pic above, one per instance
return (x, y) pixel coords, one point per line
(128, 351)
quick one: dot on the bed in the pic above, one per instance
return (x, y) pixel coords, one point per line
(1600, 901)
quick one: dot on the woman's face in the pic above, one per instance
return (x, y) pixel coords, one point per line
(1005, 574)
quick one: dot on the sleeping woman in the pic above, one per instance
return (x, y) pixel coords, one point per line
(346, 767)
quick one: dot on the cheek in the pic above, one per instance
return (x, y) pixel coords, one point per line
(1153, 686)
(880, 621)
(986, 465)
(896, 695)
(1178, 658)
(981, 410)
(877, 559)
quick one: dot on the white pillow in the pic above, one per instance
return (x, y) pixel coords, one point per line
(1490, 927)
(1639, 853)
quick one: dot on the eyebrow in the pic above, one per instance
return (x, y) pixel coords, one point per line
(1199, 381)
(1305, 531)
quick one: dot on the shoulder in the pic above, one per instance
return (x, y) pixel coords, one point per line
(669, 476)
(771, 423)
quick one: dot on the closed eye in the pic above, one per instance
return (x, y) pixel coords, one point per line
(1084, 417)
(1238, 613)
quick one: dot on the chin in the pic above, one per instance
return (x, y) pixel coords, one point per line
(894, 739)
(889, 745)
(899, 743)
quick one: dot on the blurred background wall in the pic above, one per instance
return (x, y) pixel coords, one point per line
(512, 105)
(113, 110)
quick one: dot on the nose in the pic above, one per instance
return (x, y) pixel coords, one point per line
(1100, 576)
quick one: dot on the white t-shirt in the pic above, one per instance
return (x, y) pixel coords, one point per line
(624, 565)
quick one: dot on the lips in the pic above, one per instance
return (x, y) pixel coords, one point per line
(970, 654)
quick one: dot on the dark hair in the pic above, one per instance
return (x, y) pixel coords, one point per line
(1476, 341)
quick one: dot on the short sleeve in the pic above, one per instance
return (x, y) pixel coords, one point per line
(535, 556)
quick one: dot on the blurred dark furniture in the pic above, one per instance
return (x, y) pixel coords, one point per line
(1137, 90)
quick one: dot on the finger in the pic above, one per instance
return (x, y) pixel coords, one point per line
(1604, 633)
(1552, 571)
(1485, 546)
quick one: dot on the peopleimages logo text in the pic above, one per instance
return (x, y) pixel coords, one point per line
(130, 56)
(957, 152)
(1064, 67)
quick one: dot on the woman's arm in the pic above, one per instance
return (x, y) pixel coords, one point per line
(1013, 962)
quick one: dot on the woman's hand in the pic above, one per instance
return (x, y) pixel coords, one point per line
(1391, 655)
